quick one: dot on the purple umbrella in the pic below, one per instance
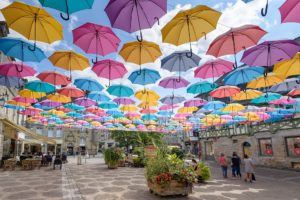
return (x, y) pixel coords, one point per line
(134, 15)
(195, 103)
(50, 103)
(270, 52)
(85, 102)
(172, 99)
(173, 82)
(124, 101)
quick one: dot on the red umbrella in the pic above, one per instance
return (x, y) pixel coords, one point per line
(212, 69)
(71, 92)
(236, 40)
(25, 100)
(54, 78)
(15, 69)
(225, 91)
(294, 92)
(31, 111)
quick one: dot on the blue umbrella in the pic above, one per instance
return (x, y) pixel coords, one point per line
(39, 86)
(201, 87)
(19, 49)
(112, 112)
(98, 96)
(214, 105)
(14, 107)
(73, 106)
(149, 117)
(88, 85)
(120, 91)
(165, 113)
(10, 81)
(243, 75)
(137, 122)
(265, 98)
(144, 76)
(74, 114)
(108, 105)
(38, 105)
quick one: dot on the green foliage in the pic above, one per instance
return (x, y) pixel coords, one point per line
(112, 156)
(203, 171)
(178, 152)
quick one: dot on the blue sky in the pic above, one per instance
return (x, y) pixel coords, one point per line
(235, 13)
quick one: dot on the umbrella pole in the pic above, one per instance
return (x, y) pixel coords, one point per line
(234, 50)
(34, 46)
(70, 67)
(97, 37)
(190, 54)
(264, 11)
(67, 12)
(139, 38)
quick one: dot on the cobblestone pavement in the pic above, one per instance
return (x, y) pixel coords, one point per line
(93, 181)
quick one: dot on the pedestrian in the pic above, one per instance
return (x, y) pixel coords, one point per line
(249, 168)
(236, 165)
(223, 164)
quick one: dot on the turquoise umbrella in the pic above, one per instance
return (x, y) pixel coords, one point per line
(243, 75)
(74, 114)
(68, 6)
(73, 106)
(265, 98)
(98, 96)
(88, 85)
(120, 91)
(108, 105)
(149, 117)
(201, 87)
(14, 107)
(214, 105)
(39, 86)
(144, 77)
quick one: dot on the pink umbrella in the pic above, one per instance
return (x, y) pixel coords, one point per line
(283, 100)
(15, 69)
(124, 101)
(225, 91)
(109, 69)
(183, 115)
(82, 122)
(173, 82)
(31, 111)
(96, 39)
(227, 117)
(195, 103)
(212, 69)
(85, 102)
(263, 116)
(132, 115)
(69, 120)
(25, 100)
(168, 107)
(290, 11)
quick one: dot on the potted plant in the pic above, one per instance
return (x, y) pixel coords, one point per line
(122, 160)
(112, 157)
(202, 172)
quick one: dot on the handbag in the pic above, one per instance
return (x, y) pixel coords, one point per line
(253, 177)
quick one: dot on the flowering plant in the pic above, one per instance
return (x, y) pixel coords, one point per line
(163, 178)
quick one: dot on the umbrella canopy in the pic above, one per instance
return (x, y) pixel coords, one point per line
(74, 114)
(190, 25)
(24, 100)
(147, 95)
(73, 106)
(187, 109)
(50, 104)
(246, 95)
(286, 86)
(294, 92)
(17, 103)
(108, 105)
(120, 91)
(173, 82)
(129, 108)
(284, 100)
(149, 117)
(34, 23)
(69, 60)
(168, 107)
(225, 91)
(15, 69)
(10, 81)
(109, 69)
(270, 52)
(53, 78)
(71, 92)
(124, 101)
(289, 11)
(39, 86)
(214, 105)
(172, 99)
(98, 96)
(83, 101)
(233, 107)
(144, 77)
(195, 103)
(265, 81)
(266, 97)
(88, 85)
(96, 39)
(201, 87)
(236, 40)
(148, 111)
(289, 67)
(20, 49)
(148, 105)
(242, 75)
(212, 69)
(59, 98)
(67, 6)
(31, 94)
(31, 111)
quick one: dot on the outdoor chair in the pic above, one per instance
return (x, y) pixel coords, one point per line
(26, 164)
(9, 164)
(36, 164)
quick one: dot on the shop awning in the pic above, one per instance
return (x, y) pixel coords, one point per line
(27, 132)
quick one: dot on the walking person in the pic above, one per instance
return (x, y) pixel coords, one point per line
(236, 165)
(249, 168)
(223, 163)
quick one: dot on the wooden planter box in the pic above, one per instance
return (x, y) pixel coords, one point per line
(172, 189)
(112, 165)
(122, 163)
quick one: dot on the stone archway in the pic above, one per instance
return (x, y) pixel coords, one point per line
(247, 148)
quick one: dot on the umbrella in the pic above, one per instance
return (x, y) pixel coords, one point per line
(132, 16)
(16, 103)
(31, 94)
(214, 105)
(149, 117)
(289, 11)
(187, 109)
(147, 95)
(69, 60)
(129, 108)
(25, 100)
(71, 92)
(108, 105)
(19, 49)
(74, 114)
(33, 23)
(132, 115)
(201, 87)
(109, 69)
(294, 92)
(15, 69)
(59, 98)
(235, 40)
(86, 102)
(242, 75)
(180, 62)
(120, 91)
(148, 105)
(39, 106)
(225, 91)
(233, 107)
(284, 100)
(289, 67)
(98, 96)
(96, 39)
(246, 95)
(265, 81)
(73, 106)
(67, 6)
(53, 78)
(124, 101)
(213, 69)
(14, 107)
(167, 107)
(195, 103)
(190, 25)
(144, 77)
(10, 81)
(49, 103)
(39, 86)
(172, 99)
(286, 86)
(266, 97)
(173, 82)
(88, 85)
(147, 111)
(140, 52)
(31, 111)
(270, 52)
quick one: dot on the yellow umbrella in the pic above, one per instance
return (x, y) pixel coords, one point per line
(30, 94)
(190, 25)
(147, 105)
(233, 107)
(17, 103)
(69, 60)
(246, 95)
(187, 109)
(33, 23)
(95, 123)
(129, 108)
(140, 52)
(265, 81)
(59, 98)
(56, 112)
(252, 116)
(147, 95)
(288, 67)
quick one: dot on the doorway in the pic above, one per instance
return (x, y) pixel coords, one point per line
(247, 149)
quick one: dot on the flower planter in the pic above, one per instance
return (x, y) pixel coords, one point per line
(171, 189)
(122, 163)
(112, 165)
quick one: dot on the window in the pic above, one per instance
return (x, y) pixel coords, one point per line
(58, 133)
(265, 147)
(39, 131)
(293, 146)
(50, 132)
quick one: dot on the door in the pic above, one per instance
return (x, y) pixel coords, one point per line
(209, 151)
(247, 149)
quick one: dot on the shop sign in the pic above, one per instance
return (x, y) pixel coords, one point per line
(21, 136)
